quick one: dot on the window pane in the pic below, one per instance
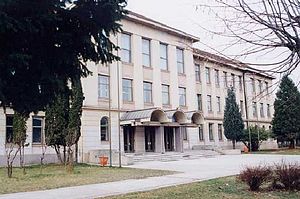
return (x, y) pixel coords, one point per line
(36, 135)
(146, 52)
(126, 48)
(182, 96)
(127, 90)
(197, 72)
(207, 73)
(104, 129)
(163, 57)
(103, 87)
(9, 128)
(180, 62)
(165, 95)
(147, 92)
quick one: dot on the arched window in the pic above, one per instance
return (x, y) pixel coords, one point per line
(104, 129)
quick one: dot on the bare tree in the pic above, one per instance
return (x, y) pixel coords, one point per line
(265, 26)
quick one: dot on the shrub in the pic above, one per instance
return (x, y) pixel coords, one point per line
(287, 176)
(255, 176)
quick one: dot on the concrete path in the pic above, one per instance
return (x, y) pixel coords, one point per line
(191, 171)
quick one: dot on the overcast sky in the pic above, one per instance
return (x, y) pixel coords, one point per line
(183, 15)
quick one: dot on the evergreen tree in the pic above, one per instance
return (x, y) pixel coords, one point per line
(286, 121)
(45, 42)
(233, 122)
(258, 135)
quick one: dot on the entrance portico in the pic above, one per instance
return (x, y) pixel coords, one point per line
(156, 130)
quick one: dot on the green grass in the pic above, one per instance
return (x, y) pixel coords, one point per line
(55, 176)
(279, 152)
(226, 188)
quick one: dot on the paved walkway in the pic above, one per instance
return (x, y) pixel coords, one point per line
(191, 171)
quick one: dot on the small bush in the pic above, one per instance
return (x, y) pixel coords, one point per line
(254, 177)
(287, 176)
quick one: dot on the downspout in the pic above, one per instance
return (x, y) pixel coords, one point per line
(118, 87)
(109, 118)
(246, 110)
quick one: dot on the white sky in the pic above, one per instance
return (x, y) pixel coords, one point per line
(183, 15)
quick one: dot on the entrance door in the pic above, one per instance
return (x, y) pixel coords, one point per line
(169, 139)
(128, 139)
(149, 139)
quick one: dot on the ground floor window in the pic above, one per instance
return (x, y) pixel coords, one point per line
(9, 128)
(104, 129)
(210, 131)
(201, 136)
(37, 129)
(220, 132)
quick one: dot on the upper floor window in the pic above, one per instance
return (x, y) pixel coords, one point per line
(104, 129)
(262, 112)
(9, 128)
(268, 110)
(127, 90)
(242, 107)
(180, 60)
(165, 94)
(126, 47)
(163, 56)
(197, 73)
(260, 86)
(37, 129)
(219, 104)
(146, 52)
(253, 85)
(267, 87)
(207, 74)
(233, 80)
(103, 86)
(217, 78)
(240, 83)
(147, 92)
(199, 100)
(182, 96)
(254, 109)
(209, 103)
(225, 79)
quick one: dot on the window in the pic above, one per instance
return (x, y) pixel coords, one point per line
(260, 86)
(180, 62)
(126, 47)
(103, 86)
(197, 73)
(147, 92)
(254, 109)
(210, 132)
(242, 107)
(225, 79)
(262, 112)
(201, 136)
(37, 129)
(209, 103)
(233, 80)
(267, 87)
(104, 129)
(207, 74)
(199, 100)
(268, 110)
(9, 128)
(127, 90)
(219, 104)
(184, 133)
(217, 78)
(165, 94)
(163, 56)
(240, 83)
(182, 96)
(146, 52)
(253, 85)
(220, 132)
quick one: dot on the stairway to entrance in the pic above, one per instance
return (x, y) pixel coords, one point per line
(173, 156)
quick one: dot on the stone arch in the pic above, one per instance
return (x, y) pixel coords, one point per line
(158, 116)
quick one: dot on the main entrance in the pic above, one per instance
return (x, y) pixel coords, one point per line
(128, 139)
(149, 139)
(169, 138)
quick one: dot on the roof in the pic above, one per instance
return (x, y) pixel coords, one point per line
(138, 18)
(206, 56)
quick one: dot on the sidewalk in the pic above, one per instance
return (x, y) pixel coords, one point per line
(191, 171)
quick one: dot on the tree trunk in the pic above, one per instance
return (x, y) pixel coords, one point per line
(57, 150)
(70, 167)
(9, 171)
(233, 144)
(76, 152)
(292, 144)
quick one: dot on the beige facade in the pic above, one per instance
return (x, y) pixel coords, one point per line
(149, 101)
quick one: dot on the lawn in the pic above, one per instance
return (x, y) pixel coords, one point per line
(279, 152)
(226, 188)
(55, 176)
